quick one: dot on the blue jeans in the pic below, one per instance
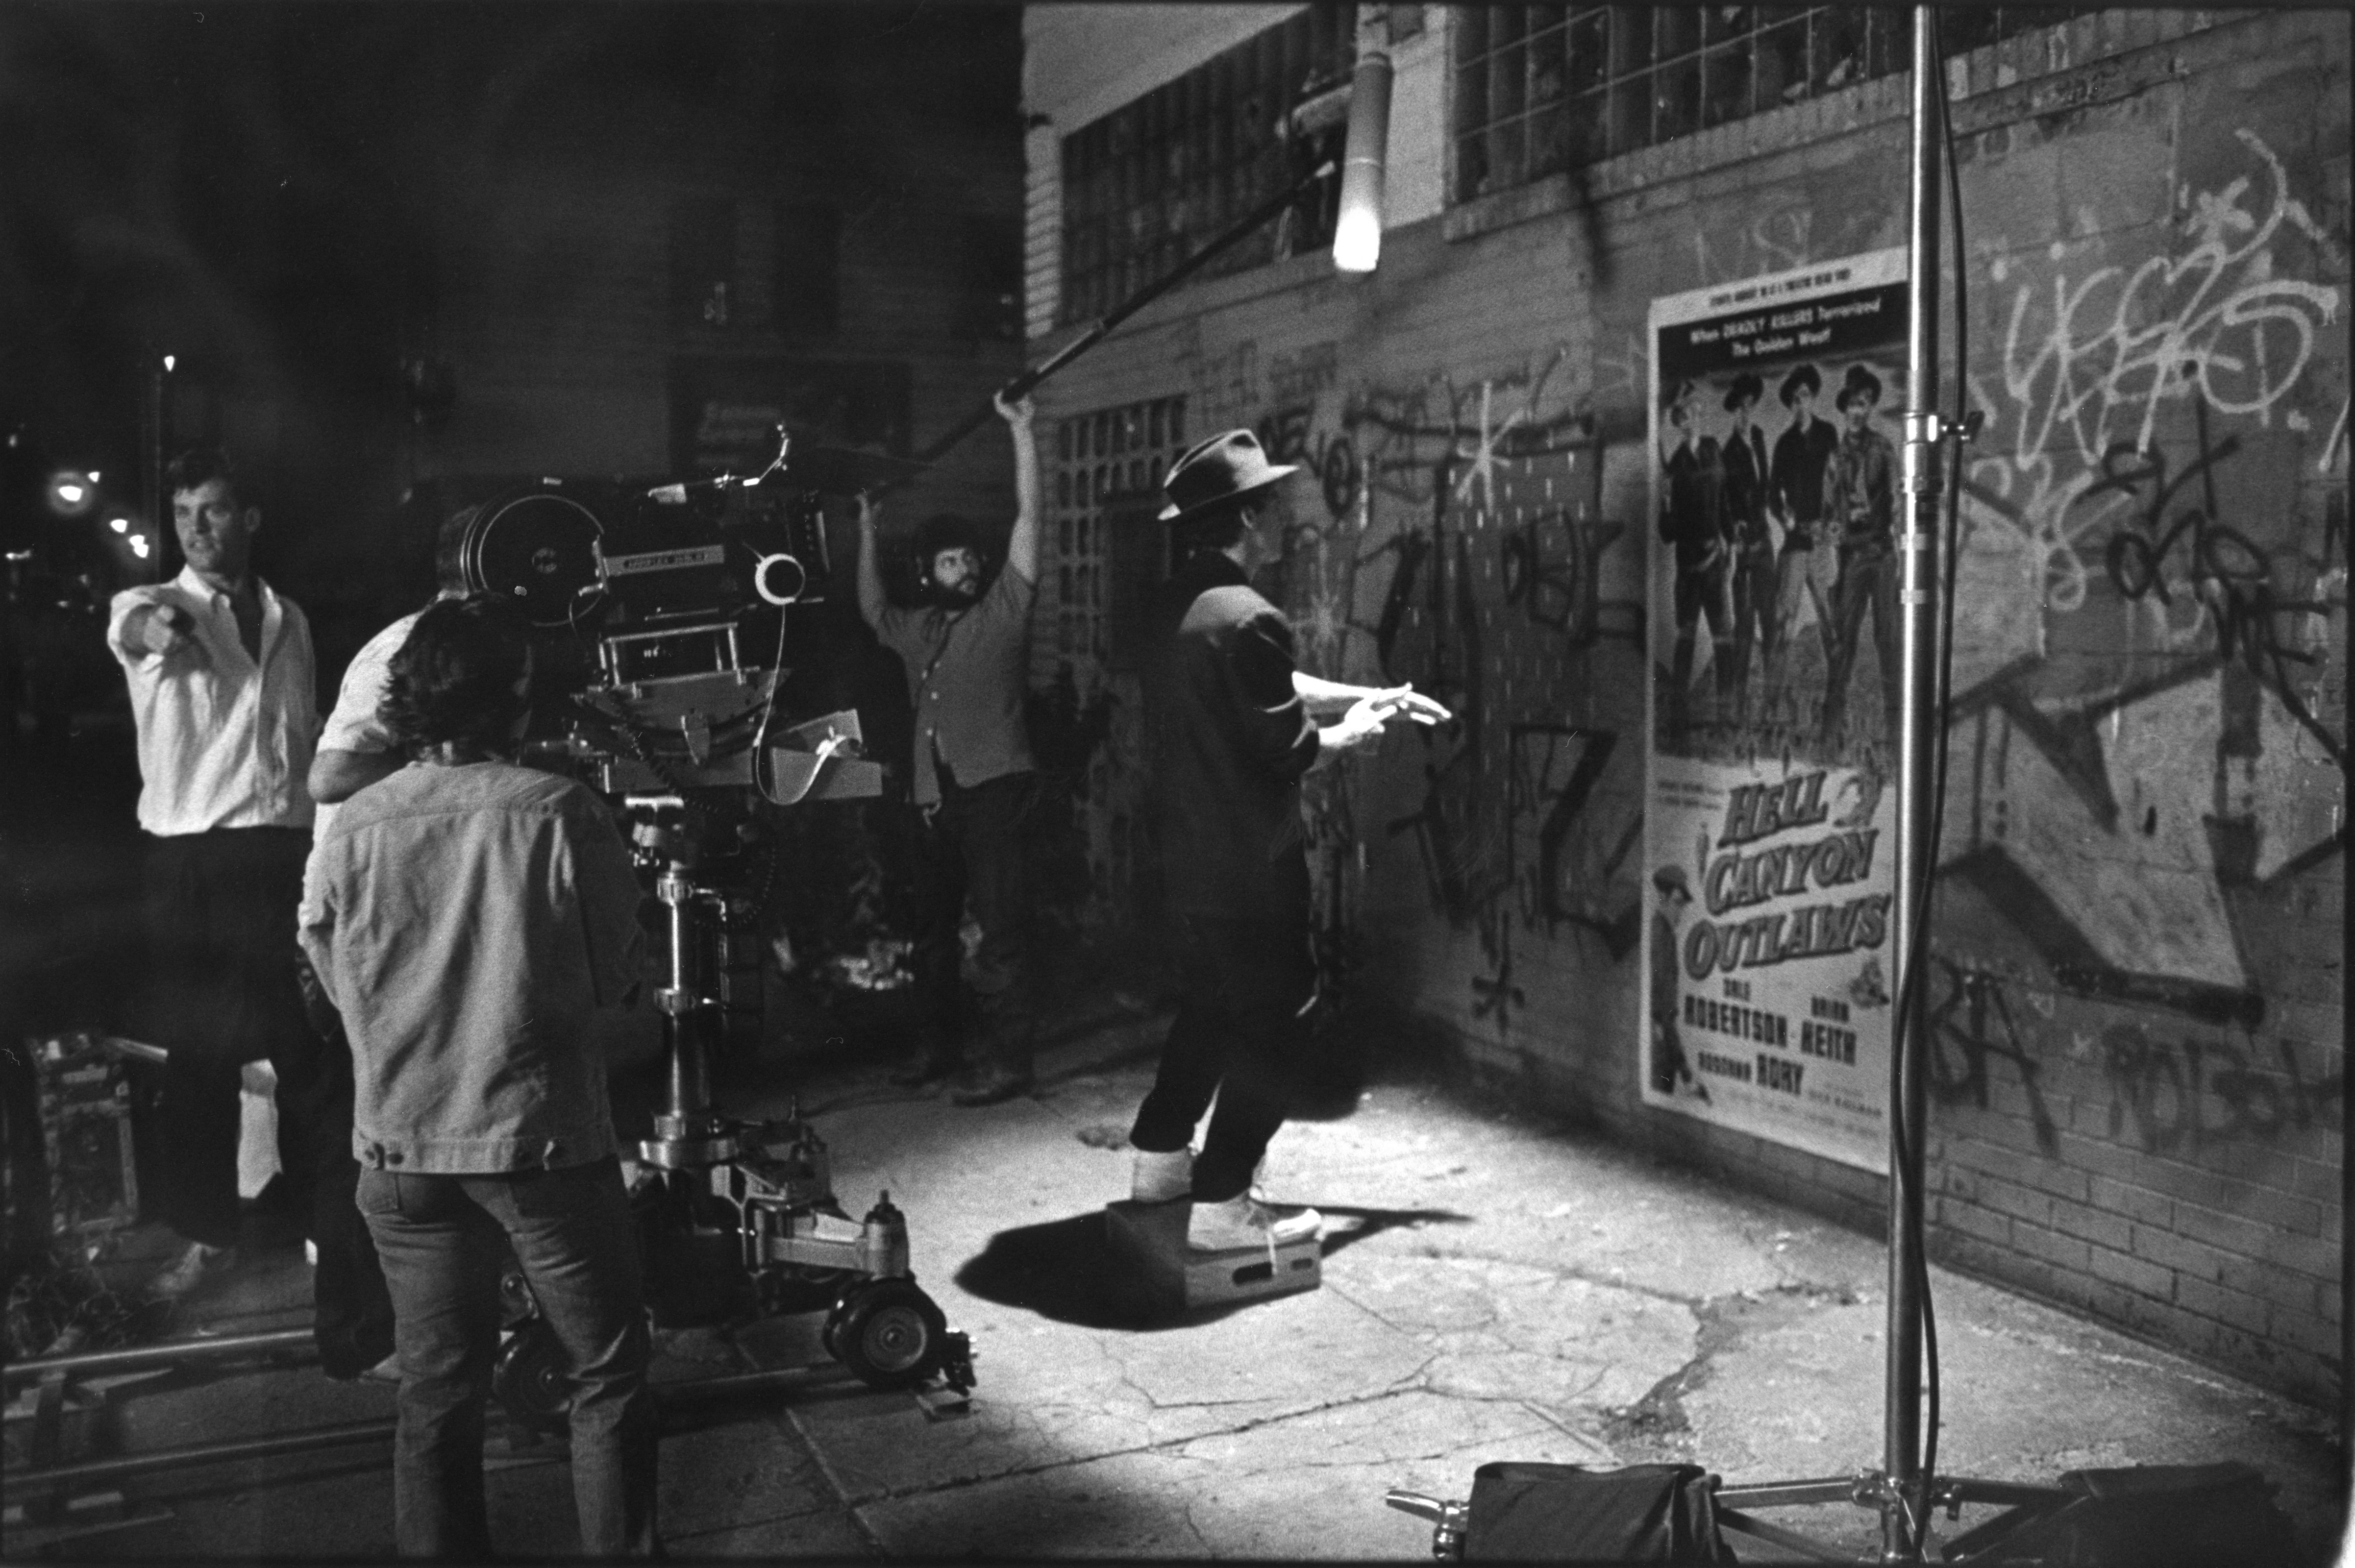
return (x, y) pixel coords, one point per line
(441, 1240)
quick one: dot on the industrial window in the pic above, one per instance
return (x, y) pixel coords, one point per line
(1147, 183)
(1104, 461)
(1541, 89)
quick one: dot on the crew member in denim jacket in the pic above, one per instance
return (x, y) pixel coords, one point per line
(466, 917)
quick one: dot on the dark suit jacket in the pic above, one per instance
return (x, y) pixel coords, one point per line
(1231, 740)
(1744, 496)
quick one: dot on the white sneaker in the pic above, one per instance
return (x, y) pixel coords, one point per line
(1162, 1178)
(1244, 1221)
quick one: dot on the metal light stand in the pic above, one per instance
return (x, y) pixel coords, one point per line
(1904, 1490)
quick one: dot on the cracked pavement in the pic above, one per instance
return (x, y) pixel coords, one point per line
(1495, 1287)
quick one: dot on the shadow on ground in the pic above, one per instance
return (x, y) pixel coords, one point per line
(1065, 1270)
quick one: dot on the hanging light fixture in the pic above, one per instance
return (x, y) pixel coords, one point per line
(1358, 232)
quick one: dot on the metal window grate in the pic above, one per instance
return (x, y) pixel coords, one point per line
(1541, 89)
(1148, 182)
(1100, 457)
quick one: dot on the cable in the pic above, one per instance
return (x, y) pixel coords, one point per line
(760, 778)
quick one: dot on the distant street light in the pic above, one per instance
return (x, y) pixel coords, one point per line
(72, 492)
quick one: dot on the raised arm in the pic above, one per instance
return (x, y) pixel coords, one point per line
(337, 775)
(1022, 548)
(1326, 698)
(871, 603)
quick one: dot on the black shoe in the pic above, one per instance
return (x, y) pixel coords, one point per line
(991, 1085)
(928, 1068)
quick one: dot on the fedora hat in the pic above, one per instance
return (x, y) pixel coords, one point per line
(1747, 388)
(1860, 382)
(1802, 379)
(1224, 468)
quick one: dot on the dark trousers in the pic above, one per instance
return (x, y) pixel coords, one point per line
(977, 844)
(1247, 997)
(1757, 610)
(443, 1240)
(352, 1311)
(1701, 592)
(218, 912)
(1868, 580)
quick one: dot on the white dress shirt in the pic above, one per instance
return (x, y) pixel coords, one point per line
(354, 726)
(223, 742)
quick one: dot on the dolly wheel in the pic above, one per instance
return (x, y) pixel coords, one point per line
(888, 1332)
(532, 1378)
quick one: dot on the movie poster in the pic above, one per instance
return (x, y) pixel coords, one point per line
(1770, 822)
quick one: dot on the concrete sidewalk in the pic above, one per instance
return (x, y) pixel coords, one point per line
(1493, 1289)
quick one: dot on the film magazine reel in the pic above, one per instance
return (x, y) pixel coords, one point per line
(736, 1219)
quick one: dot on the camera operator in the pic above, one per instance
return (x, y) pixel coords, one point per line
(967, 654)
(221, 677)
(467, 917)
(1235, 727)
(355, 750)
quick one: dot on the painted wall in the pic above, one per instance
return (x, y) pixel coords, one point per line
(2138, 988)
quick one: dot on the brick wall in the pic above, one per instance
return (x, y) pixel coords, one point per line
(2137, 993)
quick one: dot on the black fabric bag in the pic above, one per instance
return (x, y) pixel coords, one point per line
(1567, 1513)
(2156, 1516)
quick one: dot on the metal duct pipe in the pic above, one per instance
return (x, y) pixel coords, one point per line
(1357, 231)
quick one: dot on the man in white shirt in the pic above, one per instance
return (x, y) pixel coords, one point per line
(356, 749)
(222, 687)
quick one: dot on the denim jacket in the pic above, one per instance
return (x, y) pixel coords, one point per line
(466, 921)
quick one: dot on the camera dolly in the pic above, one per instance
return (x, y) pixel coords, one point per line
(737, 1220)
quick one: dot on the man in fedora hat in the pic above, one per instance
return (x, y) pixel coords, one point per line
(967, 654)
(1860, 494)
(1795, 497)
(1668, 1063)
(1742, 497)
(1234, 726)
(1692, 521)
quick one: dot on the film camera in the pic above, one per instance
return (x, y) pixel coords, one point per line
(653, 605)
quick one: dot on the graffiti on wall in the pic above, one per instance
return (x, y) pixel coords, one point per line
(1482, 564)
(2177, 1096)
(1449, 533)
(2150, 649)
(2171, 1093)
